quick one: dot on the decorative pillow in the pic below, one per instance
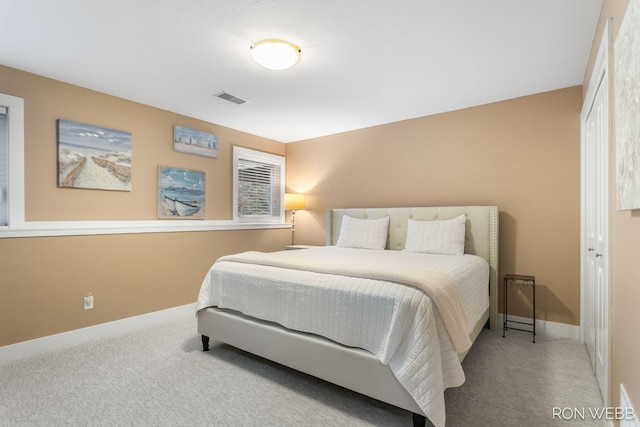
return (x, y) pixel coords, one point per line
(444, 237)
(363, 233)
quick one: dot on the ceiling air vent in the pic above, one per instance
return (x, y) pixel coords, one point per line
(231, 98)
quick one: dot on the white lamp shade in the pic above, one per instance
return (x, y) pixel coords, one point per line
(294, 201)
(275, 54)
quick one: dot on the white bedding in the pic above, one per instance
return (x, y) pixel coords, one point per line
(397, 323)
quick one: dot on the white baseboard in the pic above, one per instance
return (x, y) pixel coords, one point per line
(630, 416)
(546, 328)
(63, 340)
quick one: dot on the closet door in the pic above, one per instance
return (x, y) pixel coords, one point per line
(599, 254)
(590, 306)
(595, 182)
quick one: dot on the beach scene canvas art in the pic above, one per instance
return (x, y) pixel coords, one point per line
(194, 141)
(181, 193)
(627, 109)
(93, 157)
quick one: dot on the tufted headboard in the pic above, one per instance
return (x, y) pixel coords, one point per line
(481, 237)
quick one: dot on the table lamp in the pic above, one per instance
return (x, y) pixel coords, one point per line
(292, 202)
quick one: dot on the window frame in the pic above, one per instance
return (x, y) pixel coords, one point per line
(15, 164)
(241, 153)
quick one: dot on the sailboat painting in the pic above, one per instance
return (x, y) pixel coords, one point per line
(181, 193)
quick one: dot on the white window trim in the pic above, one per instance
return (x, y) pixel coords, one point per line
(258, 156)
(19, 227)
(16, 160)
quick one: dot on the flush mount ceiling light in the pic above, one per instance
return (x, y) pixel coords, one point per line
(275, 54)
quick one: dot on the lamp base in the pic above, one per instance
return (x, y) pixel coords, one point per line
(293, 225)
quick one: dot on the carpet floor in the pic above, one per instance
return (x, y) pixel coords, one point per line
(161, 377)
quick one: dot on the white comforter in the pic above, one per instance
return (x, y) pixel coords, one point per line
(396, 322)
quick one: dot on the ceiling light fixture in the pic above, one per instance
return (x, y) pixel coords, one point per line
(275, 54)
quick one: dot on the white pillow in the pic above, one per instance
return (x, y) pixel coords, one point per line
(444, 237)
(363, 233)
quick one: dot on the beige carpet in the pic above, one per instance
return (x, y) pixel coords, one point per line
(162, 378)
(514, 382)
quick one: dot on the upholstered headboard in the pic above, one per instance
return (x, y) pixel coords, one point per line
(481, 236)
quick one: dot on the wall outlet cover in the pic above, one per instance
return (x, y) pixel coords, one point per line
(88, 302)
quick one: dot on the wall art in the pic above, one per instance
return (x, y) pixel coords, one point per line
(93, 157)
(181, 193)
(627, 95)
(194, 141)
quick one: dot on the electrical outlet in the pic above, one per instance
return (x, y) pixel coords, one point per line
(88, 302)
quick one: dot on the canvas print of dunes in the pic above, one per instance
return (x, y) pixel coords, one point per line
(93, 157)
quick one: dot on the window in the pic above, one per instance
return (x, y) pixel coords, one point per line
(258, 186)
(11, 161)
(4, 165)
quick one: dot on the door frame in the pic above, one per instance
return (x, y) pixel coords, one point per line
(600, 76)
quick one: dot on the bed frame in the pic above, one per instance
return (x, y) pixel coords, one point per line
(349, 367)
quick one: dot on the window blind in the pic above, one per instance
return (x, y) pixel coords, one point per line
(4, 165)
(259, 187)
(258, 191)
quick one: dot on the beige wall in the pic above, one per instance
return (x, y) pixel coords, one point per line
(522, 155)
(43, 280)
(625, 247)
(152, 145)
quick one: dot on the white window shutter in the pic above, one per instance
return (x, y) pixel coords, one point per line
(258, 186)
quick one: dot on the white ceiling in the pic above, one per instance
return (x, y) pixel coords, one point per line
(364, 62)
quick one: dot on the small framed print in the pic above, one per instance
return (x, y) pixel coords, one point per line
(193, 141)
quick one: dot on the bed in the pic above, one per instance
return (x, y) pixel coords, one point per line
(296, 322)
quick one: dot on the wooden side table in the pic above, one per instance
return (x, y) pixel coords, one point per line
(525, 281)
